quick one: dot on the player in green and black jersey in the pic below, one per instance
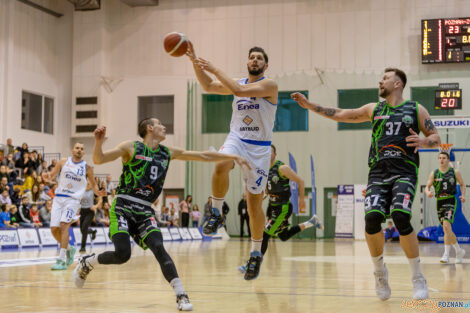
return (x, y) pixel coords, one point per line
(393, 162)
(280, 206)
(145, 165)
(444, 180)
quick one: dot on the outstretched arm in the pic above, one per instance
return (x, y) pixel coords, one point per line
(55, 170)
(286, 171)
(208, 84)
(431, 139)
(124, 149)
(265, 88)
(359, 115)
(427, 189)
(463, 189)
(206, 156)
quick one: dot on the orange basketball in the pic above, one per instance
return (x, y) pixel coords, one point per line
(175, 44)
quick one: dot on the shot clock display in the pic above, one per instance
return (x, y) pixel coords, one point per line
(448, 97)
(445, 40)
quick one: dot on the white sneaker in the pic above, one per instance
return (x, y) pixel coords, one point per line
(182, 302)
(444, 259)
(82, 270)
(420, 288)
(459, 256)
(382, 288)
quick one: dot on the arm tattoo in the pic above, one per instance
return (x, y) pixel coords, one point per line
(432, 143)
(429, 124)
(325, 111)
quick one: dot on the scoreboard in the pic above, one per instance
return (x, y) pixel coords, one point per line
(445, 40)
(448, 96)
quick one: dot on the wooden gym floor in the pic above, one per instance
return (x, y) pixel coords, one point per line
(296, 277)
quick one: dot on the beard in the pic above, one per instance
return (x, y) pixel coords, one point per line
(384, 93)
(256, 72)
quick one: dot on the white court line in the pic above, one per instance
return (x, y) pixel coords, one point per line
(362, 259)
(28, 261)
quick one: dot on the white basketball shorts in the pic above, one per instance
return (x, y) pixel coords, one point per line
(64, 209)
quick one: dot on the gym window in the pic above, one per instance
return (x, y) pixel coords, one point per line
(216, 113)
(289, 115)
(37, 112)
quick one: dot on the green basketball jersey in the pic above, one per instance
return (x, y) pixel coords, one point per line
(278, 185)
(390, 127)
(143, 176)
(445, 184)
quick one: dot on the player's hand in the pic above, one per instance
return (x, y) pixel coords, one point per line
(190, 52)
(414, 140)
(462, 198)
(300, 99)
(364, 192)
(205, 65)
(242, 162)
(429, 194)
(302, 204)
(100, 133)
(100, 193)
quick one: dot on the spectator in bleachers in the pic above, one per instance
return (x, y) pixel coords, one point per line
(34, 160)
(51, 192)
(24, 162)
(45, 213)
(53, 164)
(100, 218)
(195, 215)
(20, 151)
(34, 196)
(5, 197)
(34, 215)
(164, 217)
(4, 172)
(5, 222)
(16, 196)
(185, 207)
(173, 218)
(9, 162)
(8, 148)
(102, 185)
(109, 185)
(4, 184)
(23, 210)
(14, 216)
(43, 192)
(42, 167)
(40, 160)
(112, 196)
(28, 181)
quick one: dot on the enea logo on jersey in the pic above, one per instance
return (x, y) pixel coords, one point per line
(245, 104)
(143, 157)
(381, 117)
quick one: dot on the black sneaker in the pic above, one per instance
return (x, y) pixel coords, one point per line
(182, 302)
(215, 222)
(253, 265)
(93, 234)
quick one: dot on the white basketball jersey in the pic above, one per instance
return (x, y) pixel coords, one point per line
(72, 179)
(252, 118)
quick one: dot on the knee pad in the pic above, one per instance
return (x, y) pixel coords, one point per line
(374, 222)
(402, 222)
(283, 236)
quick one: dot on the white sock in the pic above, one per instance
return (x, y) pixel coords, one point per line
(447, 250)
(415, 265)
(217, 203)
(456, 247)
(378, 263)
(69, 247)
(62, 254)
(177, 286)
(256, 245)
(307, 224)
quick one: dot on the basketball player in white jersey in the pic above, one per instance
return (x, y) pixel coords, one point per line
(72, 182)
(251, 129)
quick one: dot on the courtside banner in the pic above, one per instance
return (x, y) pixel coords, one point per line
(451, 122)
(185, 233)
(46, 237)
(345, 212)
(28, 237)
(314, 196)
(175, 234)
(195, 234)
(294, 189)
(166, 234)
(9, 238)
